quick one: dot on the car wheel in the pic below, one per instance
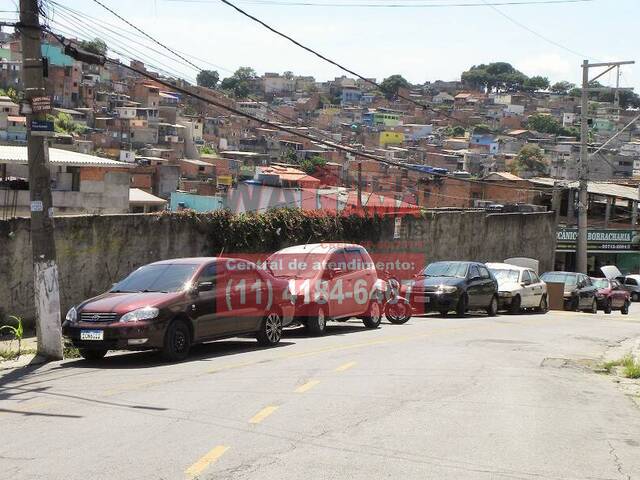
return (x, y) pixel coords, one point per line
(492, 309)
(607, 307)
(270, 331)
(92, 355)
(625, 308)
(177, 341)
(444, 313)
(544, 307)
(397, 313)
(635, 296)
(374, 315)
(317, 324)
(594, 306)
(461, 307)
(516, 302)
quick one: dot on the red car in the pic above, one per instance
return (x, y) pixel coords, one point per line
(611, 295)
(173, 304)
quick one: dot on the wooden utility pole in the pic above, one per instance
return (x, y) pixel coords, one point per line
(45, 270)
(583, 168)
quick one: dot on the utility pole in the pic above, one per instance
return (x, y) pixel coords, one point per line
(359, 186)
(45, 270)
(583, 168)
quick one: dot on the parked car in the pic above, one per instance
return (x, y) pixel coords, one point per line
(632, 285)
(459, 286)
(579, 291)
(519, 288)
(173, 304)
(611, 295)
(333, 281)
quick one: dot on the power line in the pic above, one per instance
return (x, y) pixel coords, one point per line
(390, 5)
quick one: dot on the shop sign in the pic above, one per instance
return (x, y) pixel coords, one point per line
(600, 239)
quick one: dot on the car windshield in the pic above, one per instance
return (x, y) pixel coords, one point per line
(157, 278)
(566, 278)
(445, 269)
(293, 265)
(601, 282)
(505, 276)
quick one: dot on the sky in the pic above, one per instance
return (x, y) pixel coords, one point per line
(419, 43)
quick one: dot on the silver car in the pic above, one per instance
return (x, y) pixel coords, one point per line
(632, 285)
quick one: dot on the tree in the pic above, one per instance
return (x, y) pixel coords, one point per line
(63, 123)
(391, 85)
(241, 82)
(456, 131)
(208, 78)
(96, 46)
(500, 76)
(481, 129)
(530, 160)
(311, 164)
(288, 75)
(536, 83)
(562, 87)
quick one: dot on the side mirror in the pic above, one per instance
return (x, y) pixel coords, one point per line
(204, 287)
(334, 272)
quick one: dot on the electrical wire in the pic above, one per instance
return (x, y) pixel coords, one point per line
(389, 5)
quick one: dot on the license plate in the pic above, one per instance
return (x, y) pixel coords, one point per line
(91, 335)
(422, 299)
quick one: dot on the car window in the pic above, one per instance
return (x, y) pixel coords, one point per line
(337, 260)
(157, 278)
(208, 274)
(474, 272)
(506, 276)
(556, 277)
(526, 277)
(484, 273)
(602, 283)
(354, 260)
(534, 277)
(587, 281)
(630, 281)
(615, 284)
(445, 269)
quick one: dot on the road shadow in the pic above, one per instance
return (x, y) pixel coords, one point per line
(150, 359)
(332, 329)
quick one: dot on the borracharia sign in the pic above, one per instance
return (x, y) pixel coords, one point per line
(600, 239)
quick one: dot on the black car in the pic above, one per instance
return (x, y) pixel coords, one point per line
(458, 286)
(579, 290)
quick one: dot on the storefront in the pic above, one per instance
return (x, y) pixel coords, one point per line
(605, 247)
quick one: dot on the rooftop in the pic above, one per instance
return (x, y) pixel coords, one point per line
(10, 154)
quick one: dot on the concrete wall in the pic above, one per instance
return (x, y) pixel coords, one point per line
(96, 251)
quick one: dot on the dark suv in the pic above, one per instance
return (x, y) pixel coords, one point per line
(460, 286)
(173, 304)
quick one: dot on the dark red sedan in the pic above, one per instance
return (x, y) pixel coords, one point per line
(173, 304)
(611, 295)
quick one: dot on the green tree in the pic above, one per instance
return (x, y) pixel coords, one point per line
(500, 76)
(391, 85)
(97, 46)
(456, 131)
(536, 83)
(311, 164)
(208, 78)
(241, 82)
(63, 123)
(530, 159)
(562, 87)
(544, 123)
(482, 128)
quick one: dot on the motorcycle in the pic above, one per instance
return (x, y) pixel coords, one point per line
(396, 308)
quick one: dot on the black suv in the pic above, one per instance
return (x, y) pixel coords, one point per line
(459, 286)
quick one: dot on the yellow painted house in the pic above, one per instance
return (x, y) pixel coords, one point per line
(391, 138)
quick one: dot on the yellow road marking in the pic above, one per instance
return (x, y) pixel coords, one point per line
(307, 386)
(344, 367)
(262, 414)
(202, 464)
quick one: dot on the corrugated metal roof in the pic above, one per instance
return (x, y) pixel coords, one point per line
(17, 154)
(597, 188)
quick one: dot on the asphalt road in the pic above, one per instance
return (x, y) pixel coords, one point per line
(438, 398)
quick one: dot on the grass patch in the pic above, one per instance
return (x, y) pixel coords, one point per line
(13, 354)
(630, 368)
(69, 351)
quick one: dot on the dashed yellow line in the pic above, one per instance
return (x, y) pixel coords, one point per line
(262, 414)
(307, 386)
(345, 367)
(206, 461)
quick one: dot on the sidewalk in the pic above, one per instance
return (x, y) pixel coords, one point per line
(27, 357)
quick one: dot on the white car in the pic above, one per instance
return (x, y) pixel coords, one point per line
(519, 287)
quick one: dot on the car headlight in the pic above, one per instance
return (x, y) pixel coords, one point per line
(146, 313)
(72, 315)
(447, 289)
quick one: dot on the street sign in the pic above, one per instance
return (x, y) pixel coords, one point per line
(41, 128)
(41, 104)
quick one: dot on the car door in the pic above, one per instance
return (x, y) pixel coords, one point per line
(527, 289)
(205, 303)
(587, 292)
(537, 286)
(336, 289)
(488, 287)
(475, 287)
(618, 294)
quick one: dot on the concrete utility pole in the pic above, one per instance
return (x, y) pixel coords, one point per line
(45, 270)
(583, 169)
(359, 186)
